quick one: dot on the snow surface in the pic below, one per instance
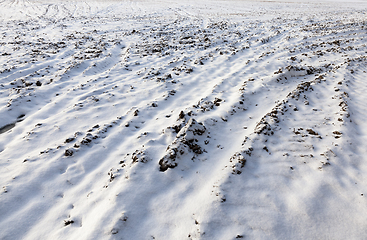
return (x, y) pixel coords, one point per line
(183, 120)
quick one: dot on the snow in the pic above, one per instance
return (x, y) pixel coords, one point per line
(183, 120)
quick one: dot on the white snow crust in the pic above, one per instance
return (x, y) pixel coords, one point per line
(183, 119)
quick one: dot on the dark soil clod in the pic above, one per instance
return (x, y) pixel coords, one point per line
(69, 152)
(68, 222)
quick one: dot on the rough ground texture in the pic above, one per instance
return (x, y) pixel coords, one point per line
(196, 120)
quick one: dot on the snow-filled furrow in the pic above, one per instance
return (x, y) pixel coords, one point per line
(304, 151)
(172, 120)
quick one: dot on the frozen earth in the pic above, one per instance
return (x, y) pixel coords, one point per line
(183, 120)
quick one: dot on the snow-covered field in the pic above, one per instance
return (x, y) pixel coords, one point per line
(183, 120)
